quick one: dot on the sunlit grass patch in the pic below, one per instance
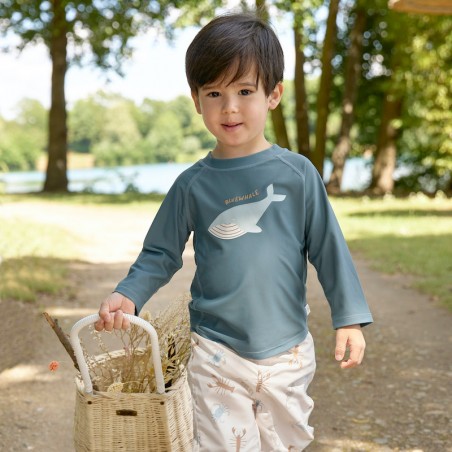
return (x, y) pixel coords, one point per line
(81, 198)
(409, 236)
(26, 238)
(25, 278)
(33, 259)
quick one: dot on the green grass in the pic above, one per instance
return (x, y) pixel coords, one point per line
(411, 236)
(27, 277)
(33, 259)
(129, 199)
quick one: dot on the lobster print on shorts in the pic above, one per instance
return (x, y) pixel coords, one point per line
(221, 385)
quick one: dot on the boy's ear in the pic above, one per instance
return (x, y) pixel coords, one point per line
(195, 97)
(275, 96)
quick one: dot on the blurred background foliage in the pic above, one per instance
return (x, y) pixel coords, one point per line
(389, 97)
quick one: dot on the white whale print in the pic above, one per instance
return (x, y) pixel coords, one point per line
(239, 220)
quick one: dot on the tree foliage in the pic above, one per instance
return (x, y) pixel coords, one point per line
(426, 141)
(82, 31)
(98, 32)
(409, 57)
(404, 57)
(23, 139)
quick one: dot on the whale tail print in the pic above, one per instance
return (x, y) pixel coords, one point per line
(271, 195)
(239, 220)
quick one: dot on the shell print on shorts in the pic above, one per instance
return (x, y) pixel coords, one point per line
(218, 358)
(239, 220)
(219, 412)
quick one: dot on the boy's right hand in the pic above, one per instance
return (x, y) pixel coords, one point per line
(111, 312)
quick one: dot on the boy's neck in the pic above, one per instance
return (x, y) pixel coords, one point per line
(221, 152)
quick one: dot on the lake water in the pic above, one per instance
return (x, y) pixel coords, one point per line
(156, 178)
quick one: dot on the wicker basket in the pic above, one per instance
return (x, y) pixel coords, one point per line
(105, 421)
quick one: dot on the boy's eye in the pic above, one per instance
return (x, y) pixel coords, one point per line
(213, 94)
(245, 92)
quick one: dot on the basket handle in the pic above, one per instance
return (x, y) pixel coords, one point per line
(83, 366)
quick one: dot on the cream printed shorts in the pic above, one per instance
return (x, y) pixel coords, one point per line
(250, 405)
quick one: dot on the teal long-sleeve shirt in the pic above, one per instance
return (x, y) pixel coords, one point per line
(255, 222)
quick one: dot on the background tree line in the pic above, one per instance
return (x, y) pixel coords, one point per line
(115, 130)
(118, 132)
(368, 80)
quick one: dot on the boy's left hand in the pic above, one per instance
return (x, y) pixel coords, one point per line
(350, 337)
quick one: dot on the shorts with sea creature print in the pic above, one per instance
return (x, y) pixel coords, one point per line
(250, 405)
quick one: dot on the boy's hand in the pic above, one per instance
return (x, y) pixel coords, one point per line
(350, 337)
(111, 313)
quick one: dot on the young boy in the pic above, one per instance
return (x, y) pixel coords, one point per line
(257, 212)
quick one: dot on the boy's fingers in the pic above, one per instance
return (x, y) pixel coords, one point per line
(356, 356)
(349, 363)
(99, 325)
(354, 360)
(125, 323)
(352, 338)
(111, 313)
(355, 353)
(341, 347)
(118, 317)
(106, 320)
(339, 353)
(104, 316)
(104, 312)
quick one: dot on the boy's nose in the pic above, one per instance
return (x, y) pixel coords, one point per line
(230, 104)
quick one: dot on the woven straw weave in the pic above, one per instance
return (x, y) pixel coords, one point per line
(106, 421)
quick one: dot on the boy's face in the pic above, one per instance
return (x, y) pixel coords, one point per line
(236, 114)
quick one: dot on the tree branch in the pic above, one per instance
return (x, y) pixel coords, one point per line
(63, 337)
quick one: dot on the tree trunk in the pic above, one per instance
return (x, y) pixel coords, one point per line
(279, 127)
(277, 115)
(386, 153)
(326, 80)
(449, 186)
(56, 177)
(352, 73)
(301, 98)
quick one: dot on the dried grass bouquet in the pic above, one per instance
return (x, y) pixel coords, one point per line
(130, 370)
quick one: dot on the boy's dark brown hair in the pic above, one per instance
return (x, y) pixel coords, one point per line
(229, 46)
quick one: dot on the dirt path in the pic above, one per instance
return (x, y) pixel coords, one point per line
(400, 399)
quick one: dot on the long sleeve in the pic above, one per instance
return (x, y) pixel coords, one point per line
(163, 246)
(328, 252)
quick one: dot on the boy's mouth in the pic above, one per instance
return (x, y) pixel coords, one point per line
(231, 125)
